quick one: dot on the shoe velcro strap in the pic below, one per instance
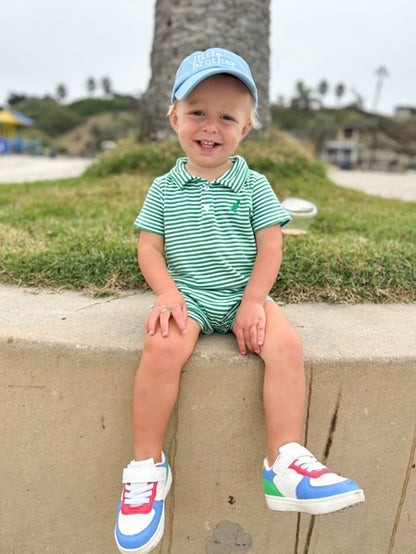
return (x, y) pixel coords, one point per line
(283, 462)
(144, 475)
(286, 459)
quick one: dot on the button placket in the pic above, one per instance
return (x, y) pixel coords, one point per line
(207, 200)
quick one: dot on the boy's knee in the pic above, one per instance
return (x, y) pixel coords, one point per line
(288, 344)
(165, 350)
(293, 346)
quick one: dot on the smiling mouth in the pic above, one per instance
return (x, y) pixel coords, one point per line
(207, 144)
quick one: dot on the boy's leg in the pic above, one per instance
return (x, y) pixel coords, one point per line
(156, 387)
(294, 480)
(147, 479)
(284, 381)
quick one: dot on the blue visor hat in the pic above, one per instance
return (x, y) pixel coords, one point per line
(200, 65)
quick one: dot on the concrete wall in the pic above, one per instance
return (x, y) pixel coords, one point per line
(67, 434)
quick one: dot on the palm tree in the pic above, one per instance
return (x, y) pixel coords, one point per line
(339, 92)
(90, 85)
(184, 26)
(61, 92)
(303, 99)
(381, 73)
(322, 90)
(106, 85)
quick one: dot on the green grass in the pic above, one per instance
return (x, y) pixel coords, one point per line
(77, 234)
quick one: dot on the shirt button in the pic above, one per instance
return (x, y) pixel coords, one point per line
(206, 187)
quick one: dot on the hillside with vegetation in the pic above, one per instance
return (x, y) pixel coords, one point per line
(80, 128)
(314, 126)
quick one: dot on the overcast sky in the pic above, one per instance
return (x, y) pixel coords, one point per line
(44, 43)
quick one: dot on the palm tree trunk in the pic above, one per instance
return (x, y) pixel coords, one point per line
(184, 26)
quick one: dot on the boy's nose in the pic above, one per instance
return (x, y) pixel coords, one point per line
(209, 126)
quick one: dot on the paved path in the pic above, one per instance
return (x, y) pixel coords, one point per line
(401, 186)
(26, 169)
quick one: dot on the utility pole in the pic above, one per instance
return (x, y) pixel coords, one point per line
(381, 73)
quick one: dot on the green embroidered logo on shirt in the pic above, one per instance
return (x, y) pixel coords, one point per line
(235, 206)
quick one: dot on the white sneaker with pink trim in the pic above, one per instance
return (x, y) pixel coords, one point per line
(141, 514)
(297, 482)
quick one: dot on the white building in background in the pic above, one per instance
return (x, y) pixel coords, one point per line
(342, 153)
(347, 147)
(403, 113)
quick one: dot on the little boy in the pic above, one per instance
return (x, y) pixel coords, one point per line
(219, 224)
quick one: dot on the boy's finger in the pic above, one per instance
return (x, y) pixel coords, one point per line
(180, 320)
(253, 340)
(164, 321)
(151, 323)
(261, 330)
(241, 342)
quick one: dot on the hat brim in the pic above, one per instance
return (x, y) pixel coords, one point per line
(192, 82)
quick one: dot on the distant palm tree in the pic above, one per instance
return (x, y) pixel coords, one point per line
(303, 99)
(381, 73)
(339, 92)
(184, 26)
(61, 92)
(106, 85)
(322, 90)
(91, 85)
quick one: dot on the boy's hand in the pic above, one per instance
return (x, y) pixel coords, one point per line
(250, 327)
(168, 305)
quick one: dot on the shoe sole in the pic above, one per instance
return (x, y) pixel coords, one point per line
(157, 537)
(317, 506)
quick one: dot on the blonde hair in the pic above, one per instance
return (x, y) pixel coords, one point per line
(254, 117)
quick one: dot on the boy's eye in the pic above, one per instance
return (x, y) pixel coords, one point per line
(198, 112)
(227, 117)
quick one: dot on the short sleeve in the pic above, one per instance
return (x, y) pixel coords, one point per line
(267, 210)
(151, 216)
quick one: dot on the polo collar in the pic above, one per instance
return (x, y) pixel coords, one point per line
(234, 178)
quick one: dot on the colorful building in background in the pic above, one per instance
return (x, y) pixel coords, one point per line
(10, 123)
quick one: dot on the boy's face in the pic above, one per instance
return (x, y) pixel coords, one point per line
(211, 122)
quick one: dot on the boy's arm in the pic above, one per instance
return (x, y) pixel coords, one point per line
(250, 323)
(169, 301)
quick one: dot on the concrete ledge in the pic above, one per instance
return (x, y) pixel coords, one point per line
(67, 365)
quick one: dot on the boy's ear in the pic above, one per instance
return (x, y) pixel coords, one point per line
(246, 129)
(173, 118)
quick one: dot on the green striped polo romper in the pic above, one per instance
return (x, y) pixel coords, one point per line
(209, 231)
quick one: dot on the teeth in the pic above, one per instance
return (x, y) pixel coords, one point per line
(207, 143)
